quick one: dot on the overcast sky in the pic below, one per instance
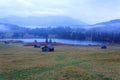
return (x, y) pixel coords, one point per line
(89, 11)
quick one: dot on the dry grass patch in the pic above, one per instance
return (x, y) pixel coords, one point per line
(66, 63)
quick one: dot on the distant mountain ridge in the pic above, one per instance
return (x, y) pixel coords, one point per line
(115, 21)
(112, 25)
(106, 31)
(108, 26)
(42, 21)
(4, 27)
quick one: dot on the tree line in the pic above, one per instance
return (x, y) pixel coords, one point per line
(64, 33)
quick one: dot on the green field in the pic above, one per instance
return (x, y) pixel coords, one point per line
(66, 63)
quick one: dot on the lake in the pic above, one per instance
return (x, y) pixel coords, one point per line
(66, 41)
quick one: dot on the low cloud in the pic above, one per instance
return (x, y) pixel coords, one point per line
(90, 11)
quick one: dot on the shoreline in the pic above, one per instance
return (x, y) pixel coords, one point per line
(54, 44)
(44, 43)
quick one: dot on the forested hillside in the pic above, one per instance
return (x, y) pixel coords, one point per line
(106, 31)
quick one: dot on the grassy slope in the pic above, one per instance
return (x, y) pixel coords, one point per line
(66, 63)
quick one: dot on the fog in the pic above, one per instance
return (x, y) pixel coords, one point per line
(87, 11)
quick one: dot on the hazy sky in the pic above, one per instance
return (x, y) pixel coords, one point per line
(89, 11)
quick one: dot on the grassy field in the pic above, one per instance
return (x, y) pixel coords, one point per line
(66, 63)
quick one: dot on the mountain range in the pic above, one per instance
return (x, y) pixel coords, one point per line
(5, 27)
(108, 26)
(42, 21)
(105, 31)
(14, 23)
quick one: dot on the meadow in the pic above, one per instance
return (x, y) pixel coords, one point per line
(65, 63)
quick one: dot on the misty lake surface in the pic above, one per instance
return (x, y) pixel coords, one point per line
(66, 41)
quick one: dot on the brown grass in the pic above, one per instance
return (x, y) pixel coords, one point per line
(66, 63)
